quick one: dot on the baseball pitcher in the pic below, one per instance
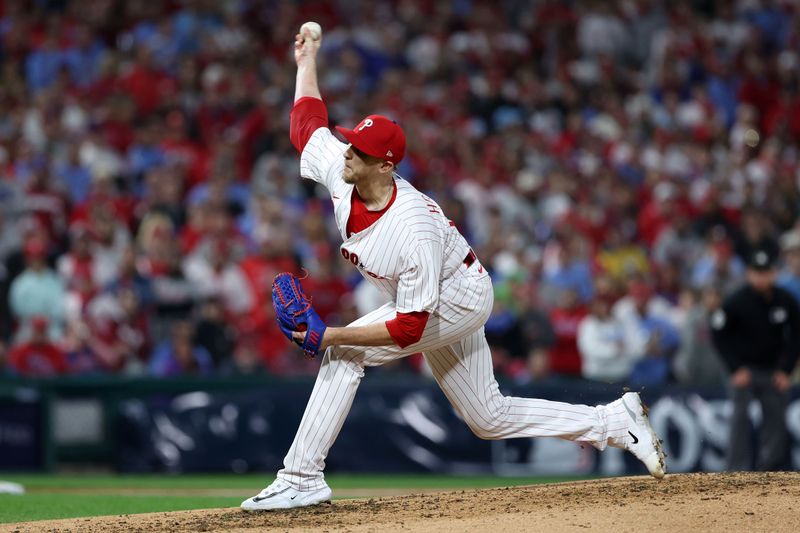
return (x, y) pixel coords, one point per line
(441, 296)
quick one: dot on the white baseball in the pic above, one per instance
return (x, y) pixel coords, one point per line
(314, 30)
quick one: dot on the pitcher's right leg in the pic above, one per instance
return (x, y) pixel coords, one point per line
(301, 482)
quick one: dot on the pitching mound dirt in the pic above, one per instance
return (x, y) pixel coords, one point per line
(687, 502)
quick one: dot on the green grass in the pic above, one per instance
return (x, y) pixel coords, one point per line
(49, 496)
(252, 481)
(53, 506)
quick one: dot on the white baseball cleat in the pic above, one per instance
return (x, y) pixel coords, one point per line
(641, 440)
(281, 495)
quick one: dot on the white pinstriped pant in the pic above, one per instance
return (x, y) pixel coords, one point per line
(455, 348)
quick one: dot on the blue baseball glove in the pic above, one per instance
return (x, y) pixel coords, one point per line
(294, 313)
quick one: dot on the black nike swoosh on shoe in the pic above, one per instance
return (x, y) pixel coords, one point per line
(262, 498)
(635, 438)
(293, 497)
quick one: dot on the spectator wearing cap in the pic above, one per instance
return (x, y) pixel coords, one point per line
(37, 291)
(37, 357)
(757, 333)
(789, 276)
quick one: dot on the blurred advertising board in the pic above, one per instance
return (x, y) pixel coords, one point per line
(410, 427)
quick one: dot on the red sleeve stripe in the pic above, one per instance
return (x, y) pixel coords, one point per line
(307, 116)
(407, 328)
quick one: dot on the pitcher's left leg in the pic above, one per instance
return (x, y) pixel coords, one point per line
(464, 372)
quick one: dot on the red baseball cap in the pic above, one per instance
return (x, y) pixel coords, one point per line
(379, 137)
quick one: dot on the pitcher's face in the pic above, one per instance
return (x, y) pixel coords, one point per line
(359, 166)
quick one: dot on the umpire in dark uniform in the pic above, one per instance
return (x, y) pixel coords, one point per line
(757, 333)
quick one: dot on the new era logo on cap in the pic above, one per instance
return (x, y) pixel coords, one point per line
(377, 136)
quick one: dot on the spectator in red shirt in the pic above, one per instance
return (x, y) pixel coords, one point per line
(77, 268)
(38, 357)
(759, 88)
(146, 84)
(273, 256)
(48, 205)
(564, 356)
(119, 337)
(328, 287)
(117, 128)
(658, 212)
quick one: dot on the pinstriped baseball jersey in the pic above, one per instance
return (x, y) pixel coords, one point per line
(408, 251)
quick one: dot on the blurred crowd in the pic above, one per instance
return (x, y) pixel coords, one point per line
(612, 163)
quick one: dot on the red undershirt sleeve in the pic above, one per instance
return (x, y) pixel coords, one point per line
(307, 116)
(406, 328)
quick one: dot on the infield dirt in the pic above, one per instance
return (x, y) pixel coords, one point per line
(768, 502)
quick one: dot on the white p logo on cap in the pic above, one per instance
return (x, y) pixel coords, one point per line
(367, 123)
